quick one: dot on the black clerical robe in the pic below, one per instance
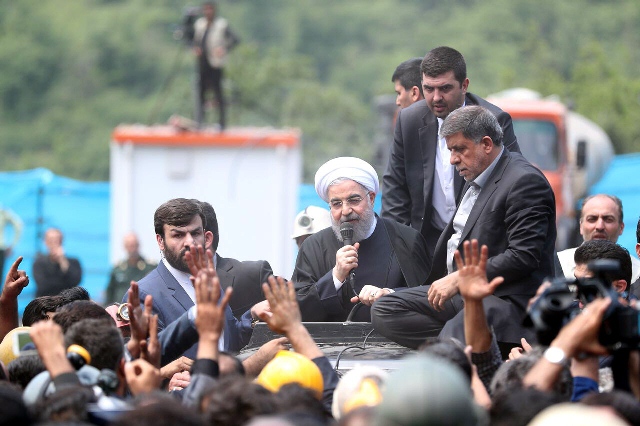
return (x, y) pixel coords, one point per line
(394, 256)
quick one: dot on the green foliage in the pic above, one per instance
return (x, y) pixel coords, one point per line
(71, 71)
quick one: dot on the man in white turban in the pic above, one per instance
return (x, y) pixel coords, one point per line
(331, 276)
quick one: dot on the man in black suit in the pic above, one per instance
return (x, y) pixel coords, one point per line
(507, 205)
(419, 187)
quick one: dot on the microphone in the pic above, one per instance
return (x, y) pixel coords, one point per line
(346, 232)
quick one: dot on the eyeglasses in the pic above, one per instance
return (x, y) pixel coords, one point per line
(352, 201)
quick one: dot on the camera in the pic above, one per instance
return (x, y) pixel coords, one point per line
(561, 302)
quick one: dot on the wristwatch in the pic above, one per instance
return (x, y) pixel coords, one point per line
(555, 355)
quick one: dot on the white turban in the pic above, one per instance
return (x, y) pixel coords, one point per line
(346, 167)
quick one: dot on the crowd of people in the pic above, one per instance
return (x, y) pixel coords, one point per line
(459, 267)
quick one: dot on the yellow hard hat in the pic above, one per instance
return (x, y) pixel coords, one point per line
(291, 367)
(6, 346)
(367, 396)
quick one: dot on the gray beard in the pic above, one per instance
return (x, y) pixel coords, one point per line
(361, 226)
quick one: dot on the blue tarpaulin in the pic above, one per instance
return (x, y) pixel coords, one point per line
(79, 209)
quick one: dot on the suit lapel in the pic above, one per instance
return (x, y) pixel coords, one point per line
(485, 194)
(174, 287)
(223, 269)
(428, 134)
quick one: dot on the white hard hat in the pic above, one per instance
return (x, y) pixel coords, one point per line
(311, 220)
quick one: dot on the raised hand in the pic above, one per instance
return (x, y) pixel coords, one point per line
(138, 319)
(284, 312)
(472, 272)
(210, 314)
(15, 281)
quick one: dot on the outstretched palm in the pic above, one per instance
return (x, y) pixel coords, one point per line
(472, 272)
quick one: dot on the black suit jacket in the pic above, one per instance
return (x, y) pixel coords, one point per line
(407, 183)
(515, 217)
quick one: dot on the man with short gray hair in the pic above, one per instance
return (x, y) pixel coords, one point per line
(507, 205)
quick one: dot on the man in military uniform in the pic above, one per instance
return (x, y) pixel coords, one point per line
(133, 268)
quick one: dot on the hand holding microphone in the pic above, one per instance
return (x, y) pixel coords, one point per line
(347, 256)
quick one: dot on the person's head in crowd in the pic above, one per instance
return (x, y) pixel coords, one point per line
(166, 412)
(131, 245)
(210, 223)
(6, 346)
(407, 81)
(350, 186)
(622, 402)
(53, 240)
(230, 364)
(119, 313)
(451, 350)
(638, 238)
(293, 398)
(24, 368)
(508, 407)
(510, 376)
(351, 383)
(601, 218)
(474, 137)
(234, 400)
(426, 390)
(73, 312)
(67, 404)
(41, 309)
(13, 410)
(603, 249)
(444, 80)
(179, 226)
(45, 307)
(576, 414)
(291, 367)
(309, 221)
(101, 339)
(74, 293)
(209, 10)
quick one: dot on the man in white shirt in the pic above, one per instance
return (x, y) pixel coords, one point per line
(600, 219)
(420, 187)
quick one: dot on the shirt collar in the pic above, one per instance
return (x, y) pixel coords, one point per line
(481, 180)
(180, 276)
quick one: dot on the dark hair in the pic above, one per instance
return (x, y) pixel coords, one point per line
(510, 376)
(592, 250)
(234, 400)
(517, 407)
(37, 309)
(69, 403)
(13, 410)
(638, 231)
(294, 399)
(613, 198)
(101, 338)
(24, 368)
(623, 402)
(443, 59)
(450, 350)
(408, 74)
(71, 313)
(234, 363)
(210, 222)
(163, 412)
(176, 212)
(474, 122)
(74, 293)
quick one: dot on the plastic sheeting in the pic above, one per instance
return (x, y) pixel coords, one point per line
(79, 209)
